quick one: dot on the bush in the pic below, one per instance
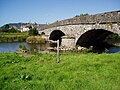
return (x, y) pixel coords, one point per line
(35, 39)
(33, 32)
(23, 47)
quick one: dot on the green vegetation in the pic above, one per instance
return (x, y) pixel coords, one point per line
(10, 34)
(22, 47)
(35, 39)
(33, 31)
(76, 71)
(113, 39)
(113, 36)
(85, 14)
(8, 29)
(13, 37)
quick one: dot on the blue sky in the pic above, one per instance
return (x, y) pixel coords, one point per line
(48, 11)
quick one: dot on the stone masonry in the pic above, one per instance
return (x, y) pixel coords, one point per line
(76, 26)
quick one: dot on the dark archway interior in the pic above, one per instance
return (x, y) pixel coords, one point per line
(95, 38)
(56, 35)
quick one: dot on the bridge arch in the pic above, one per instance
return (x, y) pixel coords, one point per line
(95, 38)
(56, 35)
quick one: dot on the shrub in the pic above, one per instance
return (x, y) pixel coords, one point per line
(23, 47)
(35, 39)
(33, 32)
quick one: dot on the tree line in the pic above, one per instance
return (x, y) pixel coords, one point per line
(8, 29)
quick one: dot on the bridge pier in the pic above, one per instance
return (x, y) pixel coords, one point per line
(68, 43)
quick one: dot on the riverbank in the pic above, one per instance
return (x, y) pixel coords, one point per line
(36, 39)
(76, 71)
(13, 37)
(20, 37)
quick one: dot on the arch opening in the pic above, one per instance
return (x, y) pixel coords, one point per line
(56, 35)
(95, 38)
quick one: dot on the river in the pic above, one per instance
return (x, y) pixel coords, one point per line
(13, 47)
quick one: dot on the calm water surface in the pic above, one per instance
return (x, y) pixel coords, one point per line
(13, 47)
(114, 49)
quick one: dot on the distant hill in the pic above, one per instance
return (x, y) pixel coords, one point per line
(18, 25)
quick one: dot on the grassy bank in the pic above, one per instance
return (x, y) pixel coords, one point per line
(75, 72)
(35, 39)
(13, 37)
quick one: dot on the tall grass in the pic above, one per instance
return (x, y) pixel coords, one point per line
(76, 71)
(35, 39)
(13, 37)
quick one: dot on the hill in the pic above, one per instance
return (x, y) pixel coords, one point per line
(20, 26)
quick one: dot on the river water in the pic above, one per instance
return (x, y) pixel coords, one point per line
(114, 49)
(13, 47)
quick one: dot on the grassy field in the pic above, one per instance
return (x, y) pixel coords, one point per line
(76, 71)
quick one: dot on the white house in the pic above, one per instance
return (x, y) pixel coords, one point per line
(24, 29)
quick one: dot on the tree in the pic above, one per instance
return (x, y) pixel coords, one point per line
(30, 27)
(6, 26)
(77, 16)
(84, 14)
(8, 29)
(33, 32)
(13, 30)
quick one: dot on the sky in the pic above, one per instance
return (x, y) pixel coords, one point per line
(49, 11)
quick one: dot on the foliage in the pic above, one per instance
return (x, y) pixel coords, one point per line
(85, 14)
(33, 32)
(13, 37)
(30, 27)
(35, 39)
(113, 36)
(23, 47)
(33, 49)
(113, 39)
(8, 29)
(76, 71)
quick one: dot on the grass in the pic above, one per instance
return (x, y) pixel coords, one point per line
(13, 37)
(76, 71)
(35, 39)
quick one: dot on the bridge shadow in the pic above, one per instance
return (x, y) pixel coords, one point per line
(96, 39)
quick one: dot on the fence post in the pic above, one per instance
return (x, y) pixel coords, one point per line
(58, 51)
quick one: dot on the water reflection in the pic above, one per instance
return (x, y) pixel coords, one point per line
(10, 47)
(13, 47)
(39, 47)
(114, 49)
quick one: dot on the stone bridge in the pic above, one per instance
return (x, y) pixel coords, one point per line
(77, 26)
